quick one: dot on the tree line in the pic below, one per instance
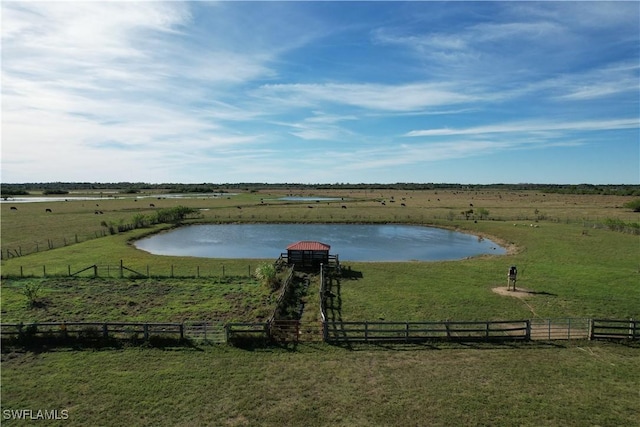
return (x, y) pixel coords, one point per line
(134, 187)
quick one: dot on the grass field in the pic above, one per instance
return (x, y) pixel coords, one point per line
(572, 269)
(318, 385)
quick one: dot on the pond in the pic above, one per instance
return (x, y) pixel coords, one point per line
(352, 242)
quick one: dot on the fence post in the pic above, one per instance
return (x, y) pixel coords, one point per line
(69, 269)
(486, 333)
(325, 331)
(446, 325)
(145, 329)
(527, 333)
(105, 331)
(172, 271)
(198, 271)
(590, 329)
(95, 270)
(406, 332)
(181, 331)
(44, 271)
(21, 275)
(366, 331)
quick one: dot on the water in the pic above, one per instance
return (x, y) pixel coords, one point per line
(352, 242)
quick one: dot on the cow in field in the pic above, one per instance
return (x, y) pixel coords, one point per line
(48, 210)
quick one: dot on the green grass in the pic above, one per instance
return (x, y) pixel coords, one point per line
(574, 271)
(568, 273)
(167, 300)
(318, 385)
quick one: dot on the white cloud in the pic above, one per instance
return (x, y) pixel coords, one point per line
(401, 97)
(528, 127)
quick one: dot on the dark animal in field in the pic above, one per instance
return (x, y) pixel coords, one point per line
(310, 207)
(383, 203)
(402, 204)
(13, 208)
(471, 204)
(239, 207)
(47, 210)
(344, 207)
(152, 205)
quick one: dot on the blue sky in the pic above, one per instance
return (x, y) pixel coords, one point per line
(321, 92)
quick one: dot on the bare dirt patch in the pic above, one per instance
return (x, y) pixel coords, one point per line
(518, 293)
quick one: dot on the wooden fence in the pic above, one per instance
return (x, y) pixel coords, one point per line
(614, 329)
(88, 330)
(424, 331)
(332, 332)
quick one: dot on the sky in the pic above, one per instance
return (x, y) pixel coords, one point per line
(321, 92)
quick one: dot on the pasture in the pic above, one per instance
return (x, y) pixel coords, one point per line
(570, 266)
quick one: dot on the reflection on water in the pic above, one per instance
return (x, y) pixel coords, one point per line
(352, 242)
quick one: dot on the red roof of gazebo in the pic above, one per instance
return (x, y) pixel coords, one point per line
(306, 245)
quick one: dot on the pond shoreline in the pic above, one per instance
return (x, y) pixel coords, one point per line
(412, 245)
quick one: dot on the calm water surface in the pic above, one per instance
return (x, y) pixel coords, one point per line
(352, 242)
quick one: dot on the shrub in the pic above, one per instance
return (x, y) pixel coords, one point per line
(634, 205)
(32, 292)
(267, 274)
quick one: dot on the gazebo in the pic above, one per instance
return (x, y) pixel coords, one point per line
(308, 254)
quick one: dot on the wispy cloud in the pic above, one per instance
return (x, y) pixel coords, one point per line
(223, 91)
(528, 127)
(401, 97)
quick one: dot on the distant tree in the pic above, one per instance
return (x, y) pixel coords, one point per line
(633, 205)
(482, 213)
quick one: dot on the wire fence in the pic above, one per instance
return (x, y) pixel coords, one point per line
(123, 270)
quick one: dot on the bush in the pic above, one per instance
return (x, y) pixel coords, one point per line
(267, 274)
(32, 292)
(634, 205)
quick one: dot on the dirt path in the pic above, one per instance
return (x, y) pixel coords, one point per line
(520, 293)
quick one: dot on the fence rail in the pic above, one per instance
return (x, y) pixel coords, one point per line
(614, 329)
(560, 329)
(421, 331)
(92, 330)
(123, 270)
(333, 332)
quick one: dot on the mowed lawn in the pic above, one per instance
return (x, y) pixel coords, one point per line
(318, 385)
